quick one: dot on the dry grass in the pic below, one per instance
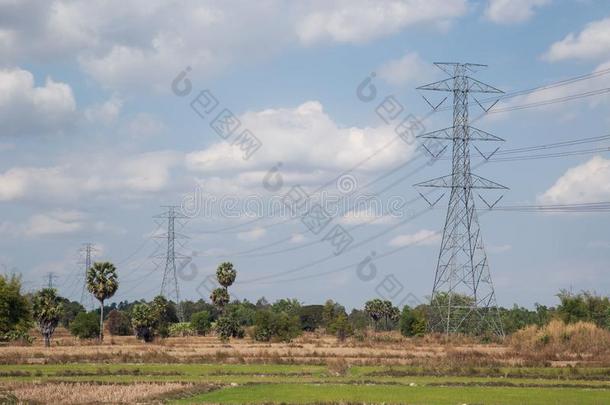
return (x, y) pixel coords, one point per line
(532, 346)
(87, 393)
(560, 341)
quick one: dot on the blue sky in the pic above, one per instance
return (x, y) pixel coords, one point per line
(94, 141)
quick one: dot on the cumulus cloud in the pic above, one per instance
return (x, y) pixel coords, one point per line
(593, 42)
(304, 137)
(29, 109)
(131, 44)
(105, 113)
(58, 222)
(356, 21)
(423, 237)
(410, 68)
(512, 11)
(588, 182)
(103, 175)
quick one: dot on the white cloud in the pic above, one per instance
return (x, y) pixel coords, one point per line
(304, 138)
(512, 11)
(104, 175)
(54, 223)
(588, 182)
(252, 235)
(59, 222)
(105, 113)
(356, 21)
(29, 109)
(423, 237)
(136, 44)
(410, 68)
(143, 125)
(593, 42)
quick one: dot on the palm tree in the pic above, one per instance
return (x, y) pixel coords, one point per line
(375, 310)
(47, 309)
(102, 282)
(226, 274)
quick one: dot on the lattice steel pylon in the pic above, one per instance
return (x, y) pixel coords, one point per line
(169, 286)
(463, 298)
(86, 298)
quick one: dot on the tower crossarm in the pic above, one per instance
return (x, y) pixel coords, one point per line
(477, 182)
(448, 134)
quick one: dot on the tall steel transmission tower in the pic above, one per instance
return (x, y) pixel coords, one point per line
(169, 286)
(463, 298)
(86, 299)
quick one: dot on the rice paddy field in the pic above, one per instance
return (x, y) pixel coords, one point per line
(385, 368)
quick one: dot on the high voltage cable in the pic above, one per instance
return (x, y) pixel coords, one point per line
(507, 95)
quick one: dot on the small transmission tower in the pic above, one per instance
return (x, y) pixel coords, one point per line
(463, 298)
(50, 276)
(169, 286)
(86, 298)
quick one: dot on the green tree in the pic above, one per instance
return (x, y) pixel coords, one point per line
(341, 327)
(220, 297)
(47, 309)
(375, 310)
(85, 326)
(15, 312)
(118, 323)
(201, 323)
(289, 306)
(166, 315)
(102, 282)
(71, 309)
(311, 317)
(330, 311)
(412, 321)
(278, 326)
(225, 273)
(227, 326)
(144, 319)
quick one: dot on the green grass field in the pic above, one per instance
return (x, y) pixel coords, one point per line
(303, 384)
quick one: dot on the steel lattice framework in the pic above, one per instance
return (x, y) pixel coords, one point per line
(86, 298)
(169, 286)
(463, 298)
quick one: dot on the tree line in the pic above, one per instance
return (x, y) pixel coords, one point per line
(282, 320)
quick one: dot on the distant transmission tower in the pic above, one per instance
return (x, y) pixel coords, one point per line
(86, 299)
(463, 298)
(50, 276)
(169, 286)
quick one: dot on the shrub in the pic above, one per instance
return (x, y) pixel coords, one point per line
(15, 315)
(412, 322)
(278, 326)
(227, 327)
(118, 323)
(341, 327)
(85, 325)
(181, 329)
(559, 340)
(200, 322)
